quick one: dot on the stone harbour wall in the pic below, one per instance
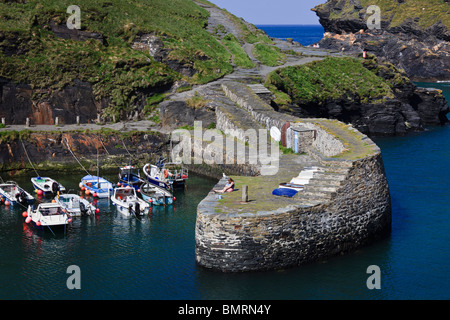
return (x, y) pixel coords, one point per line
(359, 213)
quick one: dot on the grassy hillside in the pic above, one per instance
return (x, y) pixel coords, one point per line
(331, 78)
(31, 53)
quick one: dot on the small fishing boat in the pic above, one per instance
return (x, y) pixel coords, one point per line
(156, 195)
(47, 185)
(75, 205)
(128, 176)
(97, 186)
(157, 177)
(176, 176)
(48, 215)
(14, 194)
(128, 203)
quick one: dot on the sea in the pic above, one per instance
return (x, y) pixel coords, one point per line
(154, 259)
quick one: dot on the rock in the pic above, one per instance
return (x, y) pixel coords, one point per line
(421, 52)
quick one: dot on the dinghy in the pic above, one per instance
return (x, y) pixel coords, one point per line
(75, 205)
(128, 203)
(47, 185)
(14, 194)
(156, 195)
(98, 187)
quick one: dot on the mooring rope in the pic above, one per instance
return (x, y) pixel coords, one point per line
(67, 143)
(23, 145)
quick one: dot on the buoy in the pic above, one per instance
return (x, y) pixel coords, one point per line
(80, 185)
(83, 188)
(139, 190)
(28, 220)
(53, 201)
(38, 223)
(69, 220)
(39, 192)
(7, 203)
(87, 192)
(150, 200)
(25, 214)
(174, 198)
(97, 210)
(118, 184)
(95, 194)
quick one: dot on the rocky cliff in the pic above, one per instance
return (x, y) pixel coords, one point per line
(413, 35)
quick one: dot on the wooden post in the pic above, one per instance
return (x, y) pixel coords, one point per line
(99, 118)
(27, 122)
(56, 121)
(244, 193)
(4, 121)
(78, 120)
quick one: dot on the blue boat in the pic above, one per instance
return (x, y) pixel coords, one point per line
(129, 177)
(97, 185)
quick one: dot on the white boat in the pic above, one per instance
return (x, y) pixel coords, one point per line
(48, 215)
(97, 186)
(155, 195)
(47, 185)
(128, 203)
(75, 205)
(14, 194)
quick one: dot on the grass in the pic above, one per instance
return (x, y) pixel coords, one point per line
(331, 78)
(269, 55)
(197, 101)
(241, 58)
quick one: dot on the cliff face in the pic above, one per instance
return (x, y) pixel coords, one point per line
(49, 151)
(414, 35)
(373, 95)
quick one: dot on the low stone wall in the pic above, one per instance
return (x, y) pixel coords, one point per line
(324, 142)
(359, 213)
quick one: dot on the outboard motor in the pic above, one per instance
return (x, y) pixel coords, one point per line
(137, 208)
(83, 209)
(21, 198)
(55, 187)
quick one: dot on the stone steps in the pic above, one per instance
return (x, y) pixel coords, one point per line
(324, 182)
(330, 176)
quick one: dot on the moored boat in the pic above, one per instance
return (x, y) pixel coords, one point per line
(156, 195)
(129, 176)
(48, 215)
(97, 186)
(47, 185)
(75, 205)
(128, 203)
(14, 194)
(157, 177)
